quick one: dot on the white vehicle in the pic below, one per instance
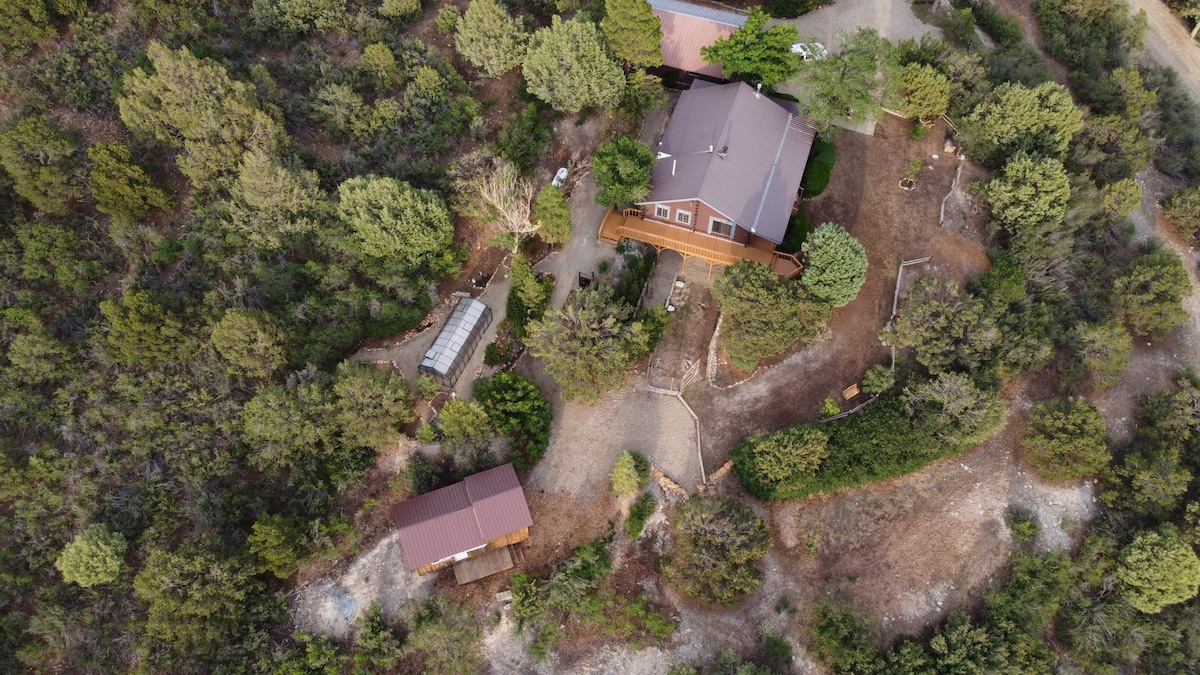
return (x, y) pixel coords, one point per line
(810, 51)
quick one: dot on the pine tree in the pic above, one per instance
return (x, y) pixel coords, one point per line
(568, 65)
(552, 215)
(490, 38)
(634, 32)
(755, 53)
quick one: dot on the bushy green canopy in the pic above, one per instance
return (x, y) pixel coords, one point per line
(1158, 569)
(39, 158)
(1150, 293)
(568, 65)
(767, 463)
(404, 231)
(851, 84)
(1041, 120)
(250, 340)
(755, 53)
(622, 168)
(1066, 441)
(120, 187)
(490, 38)
(589, 344)
(718, 543)
(192, 104)
(763, 312)
(835, 265)
(94, 556)
(634, 32)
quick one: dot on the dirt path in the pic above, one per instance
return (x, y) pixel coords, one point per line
(1170, 43)
(1154, 365)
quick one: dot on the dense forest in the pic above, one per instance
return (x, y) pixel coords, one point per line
(208, 206)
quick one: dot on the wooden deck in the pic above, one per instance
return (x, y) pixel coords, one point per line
(688, 243)
(481, 566)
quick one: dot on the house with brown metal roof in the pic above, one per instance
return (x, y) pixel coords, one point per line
(469, 525)
(688, 26)
(727, 179)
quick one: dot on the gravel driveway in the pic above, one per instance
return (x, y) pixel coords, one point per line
(1170, 43)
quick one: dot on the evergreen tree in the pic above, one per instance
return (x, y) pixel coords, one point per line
(851, 84)
(490, 38)
(835, 265)
(552, 215)
(589, 344)
(1066, 441)
(634, 32)
(272, 200)
(192, 104)
(1041, 120)
(1150, 293)
(764, 313)
(924, 93)
(38, 157)
(622, 168)
(140, 331)
(372, 405)
(120, 187)
(95, 556)
(568, 65)
(718, 543)
(1158, 569)
(405, 234)
(755, 53)
(251, 341)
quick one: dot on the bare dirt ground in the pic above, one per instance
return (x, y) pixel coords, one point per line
(586, 439)
(894, 225)
(694, 317)
(908, 551)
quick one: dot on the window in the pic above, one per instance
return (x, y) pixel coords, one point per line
(720, 227)
(661, 211)
(683, 217)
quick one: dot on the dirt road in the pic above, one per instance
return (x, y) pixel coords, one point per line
(1170, 43)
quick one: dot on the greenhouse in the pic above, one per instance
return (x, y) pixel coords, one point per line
(451, 351)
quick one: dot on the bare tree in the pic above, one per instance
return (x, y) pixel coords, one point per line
(506, 198)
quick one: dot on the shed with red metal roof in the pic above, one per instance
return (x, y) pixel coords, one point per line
(483, 514)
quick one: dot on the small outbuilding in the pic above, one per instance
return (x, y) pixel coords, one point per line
(469, 525)
(446, 359)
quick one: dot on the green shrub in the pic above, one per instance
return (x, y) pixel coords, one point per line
(524, 137)
(630, 474)
(447, 18)
(494, 354)
(880, 441)
(842, 640)
(1066, 441)
(632, 282)
(427, 386)
(641, 510)
(95, 556)
(519, 412)
(988, 17)
(1023, 523)
(878, 379)
(799, 227)
(421, 473)
(819, 168)
(718, 543)
(772, 464)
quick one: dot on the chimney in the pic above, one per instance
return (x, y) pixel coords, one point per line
(724, 151)
(758, 90)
